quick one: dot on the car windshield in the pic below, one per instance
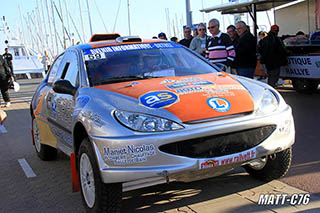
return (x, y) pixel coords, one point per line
(142, 61)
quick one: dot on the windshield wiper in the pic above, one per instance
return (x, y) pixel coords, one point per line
(125, 78)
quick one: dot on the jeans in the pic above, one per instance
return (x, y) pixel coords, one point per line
(246, 72)
(273, 76)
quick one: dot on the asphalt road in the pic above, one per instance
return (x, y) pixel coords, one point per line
(50, 189)
(305, 169)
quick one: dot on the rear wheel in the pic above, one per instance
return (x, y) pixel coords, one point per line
(43, 151)
(271, 167)
(305, 85)
(96, 195)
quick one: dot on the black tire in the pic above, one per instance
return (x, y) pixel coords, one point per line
(107, 197)
(43, 151)
(277, 166)
(305, 85)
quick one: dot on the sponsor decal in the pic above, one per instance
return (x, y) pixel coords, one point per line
(209, 91)
(82, 101)
(63, 136)
(94, 117)
(228, 159)
(166, 81)
(230, 87)
(177, 85)
(99, 53)
(54, 107)
(301, 67)
(158, 99)
(129, 154)
(219, 104)
(218, 93)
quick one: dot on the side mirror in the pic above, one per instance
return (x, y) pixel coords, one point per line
(64, 86)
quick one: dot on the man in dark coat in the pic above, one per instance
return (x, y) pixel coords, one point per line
(273, 55)
(8, 57)
(187, 37)
(246, 57)
(5, 76)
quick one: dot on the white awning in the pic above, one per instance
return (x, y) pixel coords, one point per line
(243, 6)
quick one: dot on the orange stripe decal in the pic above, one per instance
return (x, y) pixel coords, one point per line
(39, 107)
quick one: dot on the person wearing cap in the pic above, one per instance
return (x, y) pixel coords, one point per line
(273, 55)
(187, 37)
(162, 36)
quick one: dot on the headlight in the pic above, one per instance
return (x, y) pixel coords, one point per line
(269, 103)
(145, 123)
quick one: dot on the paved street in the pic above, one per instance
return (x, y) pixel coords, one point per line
(50, 189)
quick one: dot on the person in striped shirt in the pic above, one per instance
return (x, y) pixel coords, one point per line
(219, 46)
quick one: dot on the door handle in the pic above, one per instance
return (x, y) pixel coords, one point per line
(49, 98)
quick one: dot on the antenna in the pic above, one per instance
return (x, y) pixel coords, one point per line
(129, 18)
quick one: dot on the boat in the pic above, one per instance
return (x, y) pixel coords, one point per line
(25, 60)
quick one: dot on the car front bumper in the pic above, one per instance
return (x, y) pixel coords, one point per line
(138, 158)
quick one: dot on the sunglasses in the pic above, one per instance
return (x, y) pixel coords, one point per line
(212, 27)
(202, 29)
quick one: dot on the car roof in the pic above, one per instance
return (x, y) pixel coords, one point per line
(119, 41)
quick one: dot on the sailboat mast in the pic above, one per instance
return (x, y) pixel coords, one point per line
(63, 28)
(44, 25)
(30, 31)
(89, 18)
(39, 20)
(129, 25)
(68, 20)
(50, 26)
(81, 18)
(22, 25)
(54, 27)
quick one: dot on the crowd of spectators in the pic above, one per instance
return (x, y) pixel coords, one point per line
(237, 51)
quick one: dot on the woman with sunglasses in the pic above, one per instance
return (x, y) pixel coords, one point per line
(198, 43)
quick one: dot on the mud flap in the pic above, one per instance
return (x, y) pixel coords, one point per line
(32, 136)
(74, 173)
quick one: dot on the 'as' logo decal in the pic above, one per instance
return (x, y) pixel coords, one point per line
(158, 99)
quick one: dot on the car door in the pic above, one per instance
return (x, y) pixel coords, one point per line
(63, 104)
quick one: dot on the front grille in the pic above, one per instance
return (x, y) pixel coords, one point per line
(219, 145)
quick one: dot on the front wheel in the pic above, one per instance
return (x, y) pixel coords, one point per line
(96, 195)
(43, 151)
(271, 167)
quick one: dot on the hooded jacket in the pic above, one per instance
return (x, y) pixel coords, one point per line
(5, 73)
(272, 52)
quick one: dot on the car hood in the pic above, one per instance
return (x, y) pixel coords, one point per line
(190, 98)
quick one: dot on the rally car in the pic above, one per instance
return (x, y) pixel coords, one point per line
(132, 113)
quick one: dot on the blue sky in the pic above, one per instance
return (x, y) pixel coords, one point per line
(148, 17)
